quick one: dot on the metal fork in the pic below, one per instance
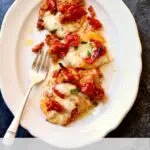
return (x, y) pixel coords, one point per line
(38, 74)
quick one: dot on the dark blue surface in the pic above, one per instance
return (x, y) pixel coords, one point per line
(5, 115)
(137, 122)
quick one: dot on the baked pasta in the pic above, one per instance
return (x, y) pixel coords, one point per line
(78, 50)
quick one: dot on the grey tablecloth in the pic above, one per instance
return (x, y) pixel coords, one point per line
(137, 122)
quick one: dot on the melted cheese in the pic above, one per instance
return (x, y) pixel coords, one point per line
(71, 102)
(83, 50)
(73, 59)
(52, 114)
(65, 88)
(69, 105)
(75, 56)
(52, 22)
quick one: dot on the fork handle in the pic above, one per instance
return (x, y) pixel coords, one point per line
(12, 130)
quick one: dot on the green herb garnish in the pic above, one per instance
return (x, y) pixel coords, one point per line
(75, 91)
(88, 53)
(83, 42)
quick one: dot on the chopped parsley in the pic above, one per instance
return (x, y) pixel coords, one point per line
(75, 91)
(88, 53)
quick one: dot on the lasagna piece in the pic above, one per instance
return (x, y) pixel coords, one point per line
(87, 52)
(70, 93)
(78, 50)
(53, 25)
(90, 53)
(59, 48)
(63, 111)
(69, 22)
(87, 81)
(61, 17)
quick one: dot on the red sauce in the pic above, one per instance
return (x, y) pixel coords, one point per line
(58, 93)
(61, 49)
(52, 6)
(92, 11)
(54, 105)
(95, 23)
(72, 39)
(40, 24)
(100, 51)
(91, 89)
(58, 48)
(73, 13)
(69, 76)
(66, 75)
(63, 7)
(74, 114)
(88, 86)
(38, 48)
(48, 5)
(56, 74)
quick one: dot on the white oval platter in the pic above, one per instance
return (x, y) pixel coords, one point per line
(121, 76)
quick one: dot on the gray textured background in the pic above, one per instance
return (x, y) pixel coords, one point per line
(137, 122)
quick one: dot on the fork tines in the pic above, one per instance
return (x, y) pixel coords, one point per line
(41, 62)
